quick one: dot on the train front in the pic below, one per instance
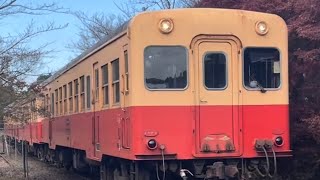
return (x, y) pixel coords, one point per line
(209, 92)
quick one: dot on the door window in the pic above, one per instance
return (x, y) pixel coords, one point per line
(215, 70)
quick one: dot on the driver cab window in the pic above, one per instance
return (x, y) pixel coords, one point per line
(165, 67)
(262, 68)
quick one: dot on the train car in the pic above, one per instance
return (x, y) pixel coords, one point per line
(176, 94)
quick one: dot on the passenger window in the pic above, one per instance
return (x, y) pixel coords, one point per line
(126, 61)
(70, 97)
(60, 101)
(47, 103)
(64, 91)
(105, 84)
(88, 92)
(215, 71)
(261, 68)
(165, 67)
(82, 94)
(65, 99)
(76, 95)
(56, 102)
(115, 81)
(52, 104)
(96, 75)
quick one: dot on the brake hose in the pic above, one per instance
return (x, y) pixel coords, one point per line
(268, 164)
(275, 164)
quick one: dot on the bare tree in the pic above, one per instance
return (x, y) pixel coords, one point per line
(17, 58)
(98, 26)
(94, 28)
(189, 3)
(132, 7)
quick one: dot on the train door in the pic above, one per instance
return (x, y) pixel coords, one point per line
(217, 76)
(125, 120)
(95, 106)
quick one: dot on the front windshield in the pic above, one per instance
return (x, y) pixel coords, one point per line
(165, 67)
(262, 68)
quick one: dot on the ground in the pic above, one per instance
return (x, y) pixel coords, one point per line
(37, 170)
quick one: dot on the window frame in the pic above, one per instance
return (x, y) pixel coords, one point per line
(126, 70)
(76, 92)
(82, 90)
(88, 92)
(65, 99)
(56, 113)
(96, 84)
(105, 85)
(70, 97)
(187, 65)
(47, 104)
(60, 101)
(113, 83)
(280, 60)
(227, 71)
(51, 94)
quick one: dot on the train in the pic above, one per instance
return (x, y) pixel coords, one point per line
(176, 94)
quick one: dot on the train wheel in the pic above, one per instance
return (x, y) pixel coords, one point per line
(40, 153)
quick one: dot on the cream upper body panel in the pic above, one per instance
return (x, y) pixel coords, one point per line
(189, 23)
(103, 55)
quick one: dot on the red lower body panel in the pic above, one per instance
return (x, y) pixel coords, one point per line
(179, 129)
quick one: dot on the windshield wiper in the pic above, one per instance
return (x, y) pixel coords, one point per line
(262, 90)
(256, 84)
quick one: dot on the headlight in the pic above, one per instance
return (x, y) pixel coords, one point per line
(262, 28)
(166, 26)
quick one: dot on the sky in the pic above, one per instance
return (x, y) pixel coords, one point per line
(59, 39)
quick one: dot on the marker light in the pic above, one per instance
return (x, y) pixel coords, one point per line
(262, 28)
(152, 144)
(166, 26)
(278, 141)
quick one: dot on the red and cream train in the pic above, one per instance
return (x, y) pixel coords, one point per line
(186, 93)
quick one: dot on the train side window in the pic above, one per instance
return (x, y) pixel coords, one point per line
(96, 76)
(105, 84)
(88, 92)
(115, 81)
(76, 95)
(60, 101)
(215, 70)
(261, 68)
(165, 67)
(82, 94)
(70, 97)
(56, 102)
(65, 106)
(47, 104)
(52, 104)
(44, 102)
(126, 61)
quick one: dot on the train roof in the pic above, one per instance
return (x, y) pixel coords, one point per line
(120, 30)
